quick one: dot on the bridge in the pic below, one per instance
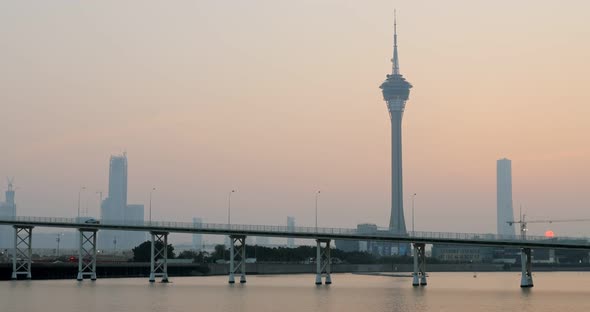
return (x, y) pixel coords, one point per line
(159, 231)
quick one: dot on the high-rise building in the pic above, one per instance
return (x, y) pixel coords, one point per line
(117, 199)
(504, 210)
(115, 209)
(7, 210)
(396, 91)
(114, 206)
(291, 227)
(197, 238)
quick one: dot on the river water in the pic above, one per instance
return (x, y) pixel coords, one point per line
(456, 292)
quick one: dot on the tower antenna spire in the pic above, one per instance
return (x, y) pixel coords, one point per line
(395, 60)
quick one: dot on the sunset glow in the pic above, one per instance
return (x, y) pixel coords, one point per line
(549, 234)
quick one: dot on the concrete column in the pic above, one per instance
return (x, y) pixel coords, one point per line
(415, 279)
(30, 253)
(80, 276)
(328, 264)
(93, 276)
(318, 261)
(231, 261)
(14, 252)
(419, 274)
(152, 259)
(165, 264)
(243, 263)
(422, 265)
(526, 279)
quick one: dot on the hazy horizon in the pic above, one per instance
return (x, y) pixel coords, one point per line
(279, 99)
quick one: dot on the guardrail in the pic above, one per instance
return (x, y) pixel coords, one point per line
(286, 230)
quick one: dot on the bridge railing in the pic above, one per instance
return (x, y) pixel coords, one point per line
(261, 230)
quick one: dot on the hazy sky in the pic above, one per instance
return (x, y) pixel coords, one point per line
(278, 99)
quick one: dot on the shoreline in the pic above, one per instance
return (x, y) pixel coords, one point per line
(48, 271)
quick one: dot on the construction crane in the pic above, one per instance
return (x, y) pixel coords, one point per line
(523, 223)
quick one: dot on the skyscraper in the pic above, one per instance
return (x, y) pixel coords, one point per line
(505, 210)
(115, 209)
(7, 210)
(116, 202)
(396, 91)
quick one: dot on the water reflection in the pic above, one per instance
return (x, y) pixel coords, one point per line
(457, 292)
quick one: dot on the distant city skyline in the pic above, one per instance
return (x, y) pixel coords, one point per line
(280, 99)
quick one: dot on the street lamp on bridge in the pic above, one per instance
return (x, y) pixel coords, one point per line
(413, 198)
(229, 207)
(317, 195)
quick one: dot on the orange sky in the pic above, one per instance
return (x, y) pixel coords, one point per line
(280, 98)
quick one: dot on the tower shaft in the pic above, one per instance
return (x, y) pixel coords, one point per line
(397, 222)
(504, 210)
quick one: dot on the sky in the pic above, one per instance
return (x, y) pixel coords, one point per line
(279, 99)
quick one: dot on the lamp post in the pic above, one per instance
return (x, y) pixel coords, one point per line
(79, 193)
(229, 207)
(151, 191)
(229, 224)
(317, 194)
(413, 198)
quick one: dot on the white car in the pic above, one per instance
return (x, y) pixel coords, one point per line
(92, 221)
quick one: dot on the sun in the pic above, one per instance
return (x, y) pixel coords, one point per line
(549, 234)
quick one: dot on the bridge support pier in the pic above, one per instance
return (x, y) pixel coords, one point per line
(21, 257)
(237, 258)
(526, 279)
(87, 254)
(419, 275)
(323, 262)
(159, 252)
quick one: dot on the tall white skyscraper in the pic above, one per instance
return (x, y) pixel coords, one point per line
(291, 227)
(505, 210)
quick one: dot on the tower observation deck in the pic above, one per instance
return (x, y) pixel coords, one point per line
(396, 91)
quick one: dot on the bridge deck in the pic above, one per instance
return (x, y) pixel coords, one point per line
(310, 232)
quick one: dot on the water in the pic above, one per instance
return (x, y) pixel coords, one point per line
(456, 292)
